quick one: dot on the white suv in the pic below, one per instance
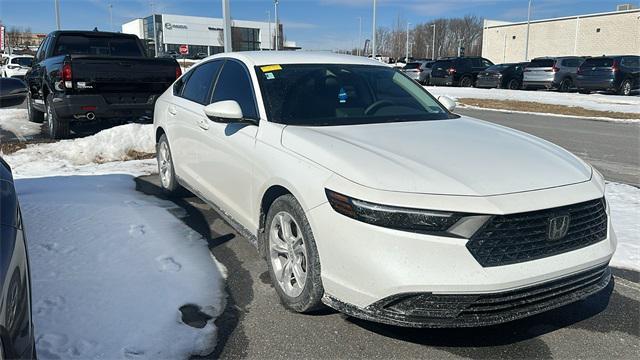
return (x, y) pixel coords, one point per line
(365, 193)
(16, 65)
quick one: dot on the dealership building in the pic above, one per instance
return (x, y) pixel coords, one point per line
(611, 33)
(165, 32)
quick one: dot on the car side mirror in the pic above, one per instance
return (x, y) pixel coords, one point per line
(12, 92)
(227, 111)
(447, 102)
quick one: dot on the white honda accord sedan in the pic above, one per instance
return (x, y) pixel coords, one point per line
(365, 193)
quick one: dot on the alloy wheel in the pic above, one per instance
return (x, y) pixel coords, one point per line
(288, 254)
(626, 88)
(164, 164)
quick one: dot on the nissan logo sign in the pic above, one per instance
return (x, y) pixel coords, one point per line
(170, 26)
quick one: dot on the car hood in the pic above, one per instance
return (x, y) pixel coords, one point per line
(461, 156)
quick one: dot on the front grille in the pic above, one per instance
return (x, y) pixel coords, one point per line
(484, 309)
(515, 238)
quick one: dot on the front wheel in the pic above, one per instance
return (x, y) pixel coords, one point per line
(513, 84)
(33, 115)
(58, 126)
(625, 88)
(292, 256)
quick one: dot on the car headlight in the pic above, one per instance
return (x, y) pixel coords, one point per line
(440, 223)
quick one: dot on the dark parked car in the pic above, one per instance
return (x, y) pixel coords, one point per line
(458, 71)
(16, 326)
(504, 76)
(80, 76)
(552, 73)
(618, 74)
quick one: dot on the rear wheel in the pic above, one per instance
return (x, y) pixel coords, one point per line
(566, 85)
(58, 126)
(292, 256)
(625, 88)
(513, 84)
(32, 114)
(466, 81)
(166, 170)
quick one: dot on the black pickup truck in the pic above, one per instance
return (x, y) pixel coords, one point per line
(87, 76)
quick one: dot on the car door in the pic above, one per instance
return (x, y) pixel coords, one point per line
(226, 164)
(186, 123)
(35, 76)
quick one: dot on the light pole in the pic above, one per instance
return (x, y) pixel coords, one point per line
(57, 8)
(226, 26)
(526, 46)
(275, 6)
(373, 37)
(434, 42)
(406, 50)
(269, 20)
(111, 16)
(359, 35)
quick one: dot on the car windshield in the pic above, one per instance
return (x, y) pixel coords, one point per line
(335, 94)
(97, 45)
(414, 65)
(22, 61)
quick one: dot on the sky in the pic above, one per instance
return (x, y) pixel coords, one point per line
(313, 24)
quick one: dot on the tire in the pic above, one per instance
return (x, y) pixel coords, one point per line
(58, 127)
(513, 84)
(292, 256)
(466, 81)
(32, 114)
(166, 169)
(565, 85)
(625, 88)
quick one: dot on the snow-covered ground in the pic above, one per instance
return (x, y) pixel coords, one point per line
(15, 121)
(625, 215)
(110, 269)
(103, 153)
(600, 102)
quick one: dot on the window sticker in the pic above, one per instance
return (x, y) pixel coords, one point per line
(269, 76)
(270, 68)
(342, 96)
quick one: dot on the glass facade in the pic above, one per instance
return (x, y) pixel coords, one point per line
(245, 39)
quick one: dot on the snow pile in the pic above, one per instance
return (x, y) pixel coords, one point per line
(110, 269)
(15, 121)
(625, 215)
(83, 156)
(600, 102)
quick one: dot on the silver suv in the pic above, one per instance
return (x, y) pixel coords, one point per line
(552, 73)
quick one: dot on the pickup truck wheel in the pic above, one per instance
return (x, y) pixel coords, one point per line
(32, 114)
(58, 127)
(292, 256)
(166, 170)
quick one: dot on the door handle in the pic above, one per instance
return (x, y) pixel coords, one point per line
(203, 123)
(172, 110)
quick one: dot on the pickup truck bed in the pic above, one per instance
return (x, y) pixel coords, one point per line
(90, 76)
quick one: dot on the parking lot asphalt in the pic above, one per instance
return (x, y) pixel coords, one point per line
(255, 325)
(612, 147)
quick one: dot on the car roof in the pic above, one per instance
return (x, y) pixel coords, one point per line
(258, 58)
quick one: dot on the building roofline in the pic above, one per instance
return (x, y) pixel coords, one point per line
(561, 18)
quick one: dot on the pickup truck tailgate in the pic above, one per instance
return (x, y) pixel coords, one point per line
(103, 75)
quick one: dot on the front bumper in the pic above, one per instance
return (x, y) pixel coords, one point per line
(488, 82)
(471, 310)
(125, 107)
(363, 265)
(441, 81)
